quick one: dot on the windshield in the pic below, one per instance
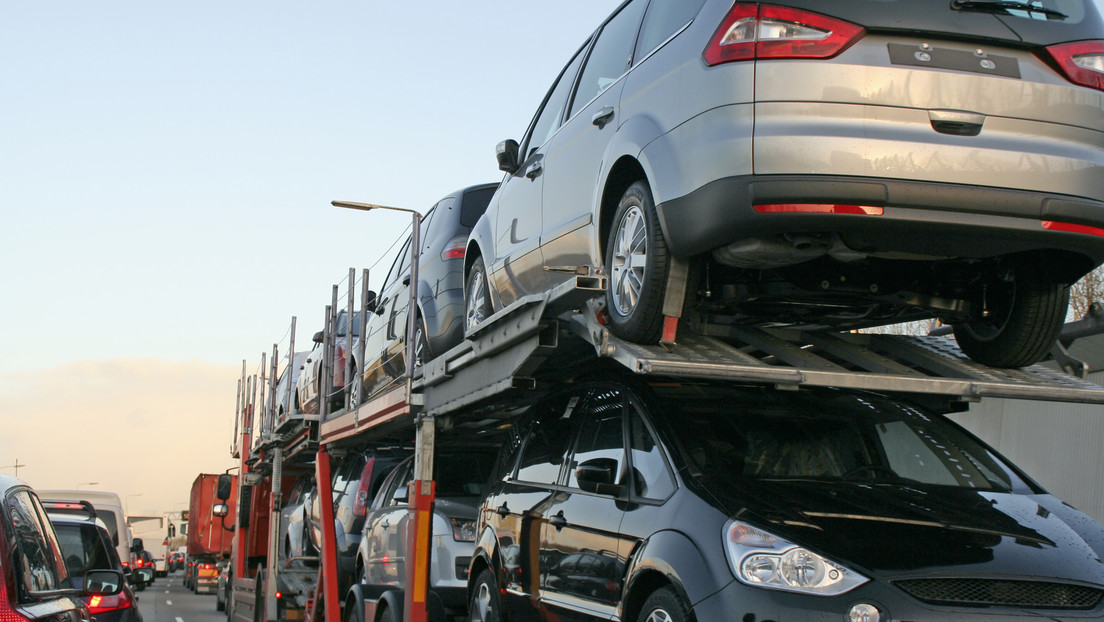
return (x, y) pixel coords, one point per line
(753, 434)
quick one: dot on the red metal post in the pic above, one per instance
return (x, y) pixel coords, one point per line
(419, 540)
(331, 600)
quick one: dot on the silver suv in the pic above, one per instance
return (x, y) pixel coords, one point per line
(820, 163)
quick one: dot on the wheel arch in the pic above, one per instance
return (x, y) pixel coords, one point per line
(624, 173)
(668, 558)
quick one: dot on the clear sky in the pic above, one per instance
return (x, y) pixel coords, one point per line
(166, 172)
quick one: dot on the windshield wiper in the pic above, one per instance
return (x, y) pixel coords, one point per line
(1005, 7)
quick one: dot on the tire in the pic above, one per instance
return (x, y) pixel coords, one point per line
(356, 387)
(485, 605)
(1026, 314)
(636, 261)
(388, 614)
(664, 605)
(477, 296)
(220, 605)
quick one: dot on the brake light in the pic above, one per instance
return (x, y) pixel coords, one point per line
(819, 208)
(1069, 227)
(104, 604)
(339, 366)
(361, 501)
(1082, 62)
(7, 614)
(456, 248)
(759, 31)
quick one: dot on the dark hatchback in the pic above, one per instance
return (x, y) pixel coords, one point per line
(35, 584)
(674, 502)
(86, 545)
(439, 323)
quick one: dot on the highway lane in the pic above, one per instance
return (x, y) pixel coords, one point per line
(167, 600)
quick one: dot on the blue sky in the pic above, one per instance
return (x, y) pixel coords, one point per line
(166, 169)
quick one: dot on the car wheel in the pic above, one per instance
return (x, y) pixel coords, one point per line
(389, 615)
(220, 605)
(1025, 315)
(356, 387)
(477, 296)
(636, 261)
(664, 605)
(485, 605)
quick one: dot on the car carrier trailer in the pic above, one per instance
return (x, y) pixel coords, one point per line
(519, 354)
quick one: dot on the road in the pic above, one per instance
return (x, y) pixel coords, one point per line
(167, 600)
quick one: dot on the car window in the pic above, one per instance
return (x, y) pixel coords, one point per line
(463, 475)
(543, 452)
(610, 56)
(399, 479)
(428, 229)
(663, 19)
(35, 552)
(601, 436)
(82, 548)
(475, 203)
(550, 115)
(399, 268)
(651, 477)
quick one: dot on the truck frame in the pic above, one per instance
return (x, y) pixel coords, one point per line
(518, 355)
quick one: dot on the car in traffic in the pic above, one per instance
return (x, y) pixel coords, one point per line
(109, 509)
(286, 406)
(35, 582)
(296, 542)
(665, 500)
(439, 321)
(813, 163)
(86, 545)
(312, 384)
(356, 481)
(461, 475)
(144, 568)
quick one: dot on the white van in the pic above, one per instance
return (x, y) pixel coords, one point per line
(109, 509)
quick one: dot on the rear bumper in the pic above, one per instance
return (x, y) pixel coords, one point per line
(923, 218)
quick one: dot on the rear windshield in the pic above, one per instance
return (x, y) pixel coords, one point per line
(831, 437)
(83, 549)
(107, 516)
(1047, 22)
(475, 203)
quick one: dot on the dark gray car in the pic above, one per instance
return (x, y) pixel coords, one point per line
(440, 317)
(822, 163)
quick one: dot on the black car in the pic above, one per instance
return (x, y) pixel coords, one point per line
(439, 323)
(86, 545)
(671, 501)
(36, 585)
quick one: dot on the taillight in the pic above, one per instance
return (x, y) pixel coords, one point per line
(339, 366)
(1082, 62)
(103, 604)
(818, 208)
(364, 487)
(7, 614)
(456, 248)
(757, 31)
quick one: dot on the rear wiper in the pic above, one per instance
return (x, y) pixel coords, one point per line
(1006, 7)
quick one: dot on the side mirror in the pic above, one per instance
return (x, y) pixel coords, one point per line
(317, 337)
(597, 476)
(103, 582)
(402, 495)
(220, 509)
(507, 154)
(371, 306)
(225, 484)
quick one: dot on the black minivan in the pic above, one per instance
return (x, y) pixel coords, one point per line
(673, 501)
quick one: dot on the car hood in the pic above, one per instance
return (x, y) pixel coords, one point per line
(898, 530)
(938, 17)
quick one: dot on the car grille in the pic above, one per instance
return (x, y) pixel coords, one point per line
(1001, 593)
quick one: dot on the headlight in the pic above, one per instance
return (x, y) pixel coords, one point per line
(463, 530)
(765, 560)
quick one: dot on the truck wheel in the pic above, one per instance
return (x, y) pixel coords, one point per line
(1025, 315)
(636, 260)
(477, 295)
(388, 614)
(664, 605)
(485, 605)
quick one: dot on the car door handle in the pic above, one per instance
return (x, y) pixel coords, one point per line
(385, 524)
(534, 170)
(502, 511)
(558, 521)
(602, 117)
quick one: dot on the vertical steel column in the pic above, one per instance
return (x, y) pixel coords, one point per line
(290, 372)
(331, 600)
(422, 489)
(275, 503)
(359, 380)
(347, 373)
